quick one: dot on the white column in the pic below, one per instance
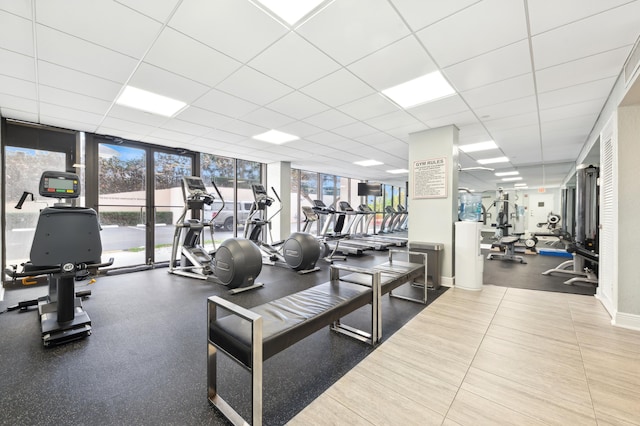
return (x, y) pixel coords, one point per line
(279, 177)
(433, 191)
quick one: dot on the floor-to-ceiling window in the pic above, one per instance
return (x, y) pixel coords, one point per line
(308, 191)
(297, 217)
(221, 172)
(29, 151)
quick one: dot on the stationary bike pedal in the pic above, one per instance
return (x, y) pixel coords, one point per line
(273, 258)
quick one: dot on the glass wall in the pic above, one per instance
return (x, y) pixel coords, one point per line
(122, 203)
(308, 191)
(297, 218)
(221, 172)
(168, 198)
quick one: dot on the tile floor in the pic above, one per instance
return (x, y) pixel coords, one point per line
(499, 356)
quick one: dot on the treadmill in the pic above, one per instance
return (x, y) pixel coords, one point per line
(362, 238)
(337, 237)
(369, 215)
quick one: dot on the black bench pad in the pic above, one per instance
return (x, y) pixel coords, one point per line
(289, 319)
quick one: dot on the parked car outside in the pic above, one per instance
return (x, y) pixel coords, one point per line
(224, 219)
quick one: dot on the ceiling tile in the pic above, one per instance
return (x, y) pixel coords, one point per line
(368, 107)
(393, 120)
(584, 70)
(73, 100)
(189, 58)
(157, 80)
(464, 36)
(235, 28)
(123, 126)
(66, 123)
(600, 33)
(329, 119)
(545, 15)
(562, 152)
(297, 105)
(300, 128)
(419, 14)
(355, 130)
(253, 86)
(243, 128)
(118, 27)
(397, 63)
(17, 103)
(16, 87)
(72, 52)
(170, 136)
(137, 116)
(223, 136)
(501, 64)
(62, 112)
(16, 34)
(17, 65)
(501, 91)
(225, 104)
(513, 122)
(159, 10)
(76, 81)
(338, 89)
(186, 127)
(459, 119)
(294, 61)
(440, 108)
(508, 109)
(350, 39)
(267, 118)
(203, 117)
(579, 93)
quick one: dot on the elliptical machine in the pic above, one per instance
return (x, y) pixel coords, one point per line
(66, 242)
(235, 264)
(300, 251)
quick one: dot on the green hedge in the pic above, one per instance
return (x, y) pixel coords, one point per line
(28, 220)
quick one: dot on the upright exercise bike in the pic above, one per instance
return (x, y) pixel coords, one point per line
(66, 242)
(235, 264)
(300, 251)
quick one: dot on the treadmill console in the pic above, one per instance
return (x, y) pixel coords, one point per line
(59, 185)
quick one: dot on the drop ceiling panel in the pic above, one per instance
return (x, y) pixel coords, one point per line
(330, 119)
(338, 89)
(159, 10)
(18, 103)
(459, 119)
(584, 70)
(369, 107)
(253, 86)
(598, 89)
(300, 128)
(403, 132)
(66, 123)
(243, 128)
(349, 39)
(398, 118)
(297, 105)
(574, 110)
(377, 138)
(267, 118)
(20, 8)
(185, 127)
(225, 104)
(596, 34)
(17, 65)
(223, 136)
(397, 63)
(440, 108)
(464, 36)
(508, 109)
(203, 117)
(355, 130)
(313, 147)
(419, 14)
(501, 91)
(189, 58)
(77, 82)
(118, 28)
(136, 116)
(124, 126)
(73, 100)
(16, 34)
(72, 52)
(171, 136)
(294, 61)
(235, 28)
(562, 152)
(507, 62)
(17, 87)
(62, 112)
(120, 133)
(545, 15)
(162, 82)
(512, 122)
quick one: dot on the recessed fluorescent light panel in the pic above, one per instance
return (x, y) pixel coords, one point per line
(480, 146)
(499, 174)
(398, 171)
(511, 179)
(291, 11)
(520, 185)
(276, 137)
(421, 90)
(367, 163)
(133, 97)
(493, 160)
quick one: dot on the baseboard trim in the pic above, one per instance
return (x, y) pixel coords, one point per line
(624, 320)
(447, 281)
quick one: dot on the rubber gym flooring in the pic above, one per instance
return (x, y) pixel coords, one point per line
(145, 362)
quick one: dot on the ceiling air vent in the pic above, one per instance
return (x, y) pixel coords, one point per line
(631, 66)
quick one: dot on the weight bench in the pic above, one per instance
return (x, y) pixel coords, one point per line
(576, 266)
(251, 336)
(508, 244)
